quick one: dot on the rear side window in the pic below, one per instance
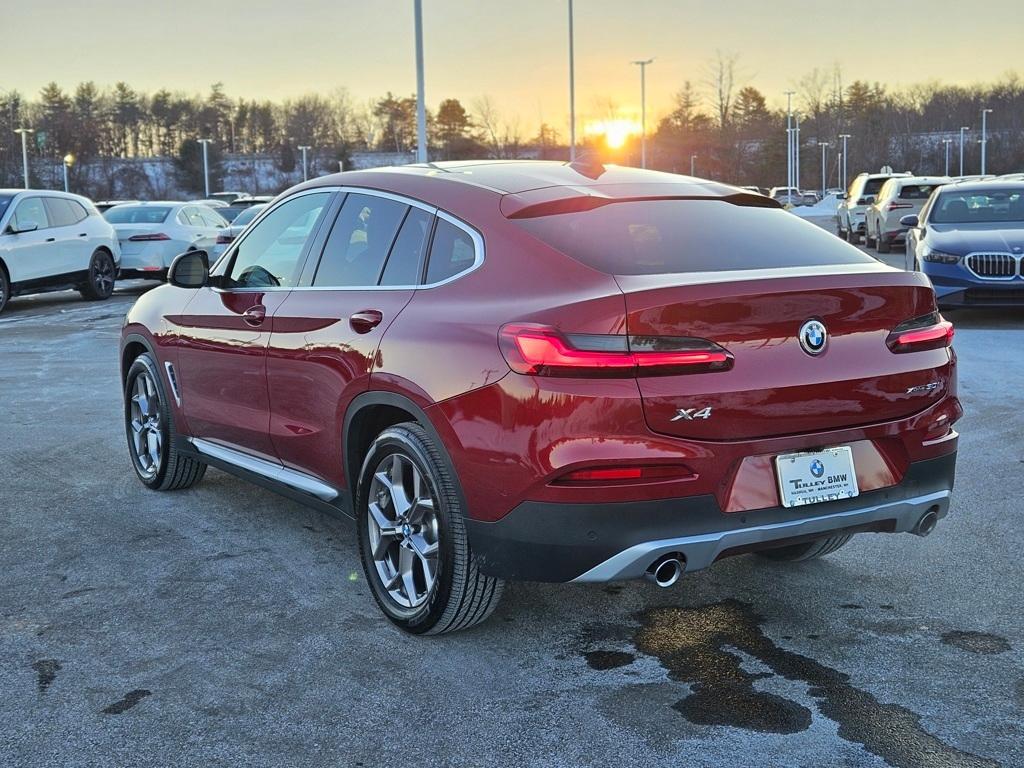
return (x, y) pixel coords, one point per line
(64, 213)
(451, 252)
(651, 237)
(359, 242)
(917, 191)
(137, 214)
(406, 257)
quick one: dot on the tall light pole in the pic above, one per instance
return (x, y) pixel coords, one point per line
(824, 146)
(789, 140)
(796, 151)
(643, 109)
(305, 168)
(947, 142)
(693, 165)
(572, 92)
(24, 150)
(984, 137)
(844, 137)
(421, 102)
(206, 166)
(962, 130)
(69, 160)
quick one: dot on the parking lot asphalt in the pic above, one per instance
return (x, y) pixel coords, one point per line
(227, 626)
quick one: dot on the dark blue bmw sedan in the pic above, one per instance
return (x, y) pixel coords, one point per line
(969, 241)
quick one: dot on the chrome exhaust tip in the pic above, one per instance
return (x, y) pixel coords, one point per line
(927, 522)
(666, 570)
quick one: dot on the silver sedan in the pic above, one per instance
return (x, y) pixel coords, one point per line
(152, 234)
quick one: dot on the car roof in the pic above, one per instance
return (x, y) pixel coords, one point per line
(154, 202)
(521, 184)
(987, 185)
(922, 179)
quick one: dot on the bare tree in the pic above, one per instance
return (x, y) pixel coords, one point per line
(502, 138)
(721, 79)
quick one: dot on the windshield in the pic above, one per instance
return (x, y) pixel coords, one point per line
(650, 237)
(917, 191)
(137, 214)
(247, 215)
(979, 206)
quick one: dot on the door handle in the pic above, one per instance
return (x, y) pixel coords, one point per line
(83, 234)
(51, 239)
(365, 321)
(255, 316)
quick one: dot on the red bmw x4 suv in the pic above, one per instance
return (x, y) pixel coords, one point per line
(529, 370)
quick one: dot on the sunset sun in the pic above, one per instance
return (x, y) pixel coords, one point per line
(615, 132)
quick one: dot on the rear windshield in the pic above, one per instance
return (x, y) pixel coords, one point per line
(979, 206)
(872, 186)
(247, 215)
(917, 191)
(137, 214)
(650, 237)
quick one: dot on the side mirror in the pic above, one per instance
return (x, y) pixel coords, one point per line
(909, 220)
(868, 199)
(12, 230)
(190, 270)
(840, 196)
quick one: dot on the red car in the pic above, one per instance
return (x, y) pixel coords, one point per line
(539, 371)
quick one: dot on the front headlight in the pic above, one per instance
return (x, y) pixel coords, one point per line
(938, 257)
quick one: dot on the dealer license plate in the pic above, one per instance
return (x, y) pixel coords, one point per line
(816, 476)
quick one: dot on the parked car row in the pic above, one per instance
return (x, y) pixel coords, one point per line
(52, 241)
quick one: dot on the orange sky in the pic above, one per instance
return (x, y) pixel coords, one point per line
(514, 52)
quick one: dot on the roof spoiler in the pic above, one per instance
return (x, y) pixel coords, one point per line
(580, 203)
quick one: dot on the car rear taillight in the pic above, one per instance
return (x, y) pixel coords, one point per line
(540, 350)
(224, 239)
(148, 237)
(926, 332)
(605, 475)
(894, 206)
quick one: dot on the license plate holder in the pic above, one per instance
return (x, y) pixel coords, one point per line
(812, 477)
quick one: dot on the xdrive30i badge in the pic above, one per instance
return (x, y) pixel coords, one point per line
(813, 337)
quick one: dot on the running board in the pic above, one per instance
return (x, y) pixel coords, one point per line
(268, 469)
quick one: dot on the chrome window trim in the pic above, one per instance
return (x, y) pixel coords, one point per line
(475, 236)
(1017, 271)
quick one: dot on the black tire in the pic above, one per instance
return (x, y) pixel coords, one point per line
(172, 471)
(461, 596)
(809, 550)
(5, 289)
(102, 274)
(884, 245)
(854, 237)
(869, 242)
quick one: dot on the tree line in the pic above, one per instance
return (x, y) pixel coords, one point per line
(726, 123)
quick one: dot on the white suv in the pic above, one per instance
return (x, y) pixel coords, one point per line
(51, 241)
(852, 210)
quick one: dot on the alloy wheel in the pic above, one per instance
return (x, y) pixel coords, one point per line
(403, 530)
(103, 274)
(146, 422)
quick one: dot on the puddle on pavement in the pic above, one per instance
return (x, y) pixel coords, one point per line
(977, 642)
(705, 647)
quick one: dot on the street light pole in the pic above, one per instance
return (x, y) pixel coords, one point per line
(844, 137)
(962, 129)
(984, 137)
(305, 168)
(789, 141)
(693, 165)
(796, 151)
(824, 146)
(643, 109)
(68, 160)
(206, 166)
(421, 103)
(572, 92)
(24, 150)
(947, 142)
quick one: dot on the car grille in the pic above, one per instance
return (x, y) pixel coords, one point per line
(991, 296)
(992, 265)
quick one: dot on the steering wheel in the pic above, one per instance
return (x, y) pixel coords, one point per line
(257, 276)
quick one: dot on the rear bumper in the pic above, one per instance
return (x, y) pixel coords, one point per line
(543, 541)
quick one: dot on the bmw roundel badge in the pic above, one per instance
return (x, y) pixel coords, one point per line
(813, 337)
(817, 468)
